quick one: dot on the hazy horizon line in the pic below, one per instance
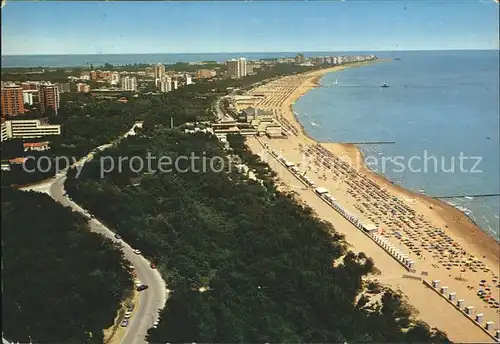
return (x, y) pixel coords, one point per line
(254, 52)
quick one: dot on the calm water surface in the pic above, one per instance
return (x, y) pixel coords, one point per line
(442, 109)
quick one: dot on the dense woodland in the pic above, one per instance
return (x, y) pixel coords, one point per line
(275, 272)
(61, 283)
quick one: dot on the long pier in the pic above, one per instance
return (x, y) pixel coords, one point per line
(470, 195)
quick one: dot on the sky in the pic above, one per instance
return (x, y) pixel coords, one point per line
(47, 27)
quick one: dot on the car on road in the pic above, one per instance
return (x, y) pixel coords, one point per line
(124, 323)
(136, 251)
(153, 266)
(117, 236)
(155, 324)
(142, 287)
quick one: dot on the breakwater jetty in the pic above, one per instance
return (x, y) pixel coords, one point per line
(468, 195)
(370, 143)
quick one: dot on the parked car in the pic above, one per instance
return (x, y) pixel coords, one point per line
(117, 236)
(153, 266)
(128, 314)
(142, 287)
(124, 323)
(136, 251)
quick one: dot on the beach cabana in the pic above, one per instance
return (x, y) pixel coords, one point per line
(321, 191)
(369, 227)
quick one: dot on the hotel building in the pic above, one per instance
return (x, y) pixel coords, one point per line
(30, 85)
(64, 87)
(300, 59)
(82, 88)
(205, 73)
(159, 70)
(12, 100)
(129, 83)
(29, 128)
(28, 97)
(115, 78)
(49, 97)
(237, 68)
(166, 84)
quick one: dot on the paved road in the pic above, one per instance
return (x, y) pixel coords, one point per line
(151, 299)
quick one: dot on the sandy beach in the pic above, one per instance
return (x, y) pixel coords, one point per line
(439, 240)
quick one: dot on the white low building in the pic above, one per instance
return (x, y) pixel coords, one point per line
(28, 128)
(5, 135)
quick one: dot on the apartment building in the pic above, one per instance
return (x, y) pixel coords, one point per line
(30, 85)
(82, 88)
(12, 100)
(129, 83)
(166, 84)
(28, 97)
(64, 87)
(205, 73)
(49, 97)
(237, 68)
(159, 71)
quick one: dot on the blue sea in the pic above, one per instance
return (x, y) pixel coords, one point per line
(441, 110)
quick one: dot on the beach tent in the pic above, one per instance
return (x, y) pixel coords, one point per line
(321, 191)
(369, 227)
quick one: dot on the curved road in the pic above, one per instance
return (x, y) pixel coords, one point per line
(151, 299)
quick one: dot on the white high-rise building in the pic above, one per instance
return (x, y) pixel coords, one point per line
(166, 84)
(233, 68)
(174, 84)
(159, 70)
(242, 62)
(115, 78)
(129, 83)
(28, 97)
(188, 79)
(237, 68)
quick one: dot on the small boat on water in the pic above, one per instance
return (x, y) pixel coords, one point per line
(384, 85)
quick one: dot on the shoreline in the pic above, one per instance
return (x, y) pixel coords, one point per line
(473, 233)
(454, 224)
